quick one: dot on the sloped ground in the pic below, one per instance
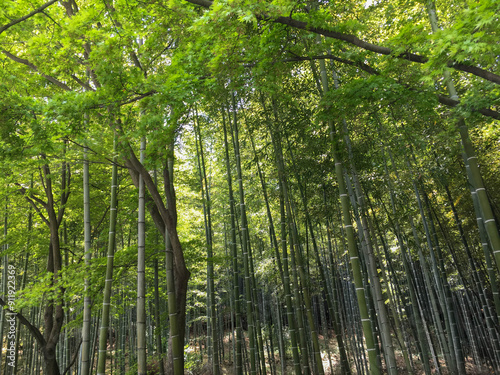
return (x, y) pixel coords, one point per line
(196, 367)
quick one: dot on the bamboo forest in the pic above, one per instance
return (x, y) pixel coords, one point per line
(212, 187)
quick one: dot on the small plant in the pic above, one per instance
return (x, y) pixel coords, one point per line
(192, 361)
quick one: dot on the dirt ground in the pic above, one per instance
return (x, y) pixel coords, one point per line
(331, 367)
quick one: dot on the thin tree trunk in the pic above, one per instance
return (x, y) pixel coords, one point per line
(382, 315)
(177, 276)
(245, 248)
(474, 175)
(293, 323)
(165, 219)
(353, 250)
(141, 274)
(339, 332)
(343, 356)
(5, 265)
(234, 256)
(85, 356)
(212, 321)
(158, 325)
(298, 258)
(103, 334)
(54, 311)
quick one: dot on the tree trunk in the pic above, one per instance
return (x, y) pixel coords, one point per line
(352, 246)
(103, 334)
(86, 350)
(177, 277)
(245, 249)
(212, 321)
(234, 256)
(165, 219)
(141, 274)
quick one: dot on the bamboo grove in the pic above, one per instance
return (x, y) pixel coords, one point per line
(243, 187)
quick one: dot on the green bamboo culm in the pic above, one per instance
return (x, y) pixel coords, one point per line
(157, 308)
(86, 343)
(213, 337)
(234, 256)
(103, 334)
(371, 267)
(245, 247)
(341, 348)
(177, 344)
(474, 174)
(24, 280)
(141, 273)
(292, 326)
(5, 261)
(351, 242)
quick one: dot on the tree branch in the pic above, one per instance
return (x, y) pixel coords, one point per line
(354, 40)
(82, 83)
(33, 67)
(66, 184)
(75, 356)
(23, 192)
(29, 15)
(453, 103)
(153, 210)
(441, 98)
(359, 65)
(135, 164)
(31, 200)
(34, 331)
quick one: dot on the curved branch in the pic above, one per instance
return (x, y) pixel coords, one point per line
(441, 98)
(354, 40)
(133, 162)
(29, 15)
(31, 199)
(453, 103)
(75, 356)
(34, 331)
(356, 64)
(150, 204)
(82, 83)
(33, 67)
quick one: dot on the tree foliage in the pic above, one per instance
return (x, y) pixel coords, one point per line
(77, 73)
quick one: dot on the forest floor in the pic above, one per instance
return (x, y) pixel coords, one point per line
(198, 364)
